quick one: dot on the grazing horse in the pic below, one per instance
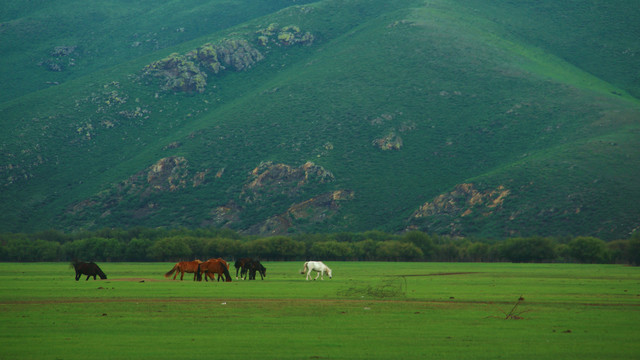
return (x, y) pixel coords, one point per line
(226, 264)
(318, 266)
(255, 266)
(214, 266)
(240, 265)
(184, 267)
(250, 266)
(89, 269)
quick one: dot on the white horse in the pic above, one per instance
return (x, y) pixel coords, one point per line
(318, 266)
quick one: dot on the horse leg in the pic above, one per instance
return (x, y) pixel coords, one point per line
(181, 275)
(317, 274)
(78, 276)
(308, 274)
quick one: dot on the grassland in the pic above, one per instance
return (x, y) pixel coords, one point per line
(367, 311)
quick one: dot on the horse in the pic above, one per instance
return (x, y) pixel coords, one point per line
(255, 266)
(250, 266)
(317, 266)
(213, 266)
(89, 269)
(240, 265)
(184, 267)
(226, 264)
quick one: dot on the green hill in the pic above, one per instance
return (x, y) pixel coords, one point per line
(450, 117)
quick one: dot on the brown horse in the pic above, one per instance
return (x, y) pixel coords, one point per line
(223, 261)
(214, 266)
(184, 267)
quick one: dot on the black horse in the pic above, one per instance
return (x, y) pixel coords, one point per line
(255, 266)
(89, 269)
(250, 266)
(240, 265)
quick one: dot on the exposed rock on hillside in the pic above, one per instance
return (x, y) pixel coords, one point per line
(310, 212)
(189, 72)
(166, 175)
(268, 179)
(391, 141)
(270, 182)
(62, 57)
(446, 209)
(287, 35)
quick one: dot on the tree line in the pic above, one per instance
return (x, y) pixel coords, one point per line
(145, 244)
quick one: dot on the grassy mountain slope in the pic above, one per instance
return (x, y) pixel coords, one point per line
(450, 117)
(101, 35)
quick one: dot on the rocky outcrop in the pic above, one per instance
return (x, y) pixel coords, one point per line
(314, 211)
(464, 200)
(286, 35)
(391, 141)
(269, 179)
(189, 72)
(168, 174)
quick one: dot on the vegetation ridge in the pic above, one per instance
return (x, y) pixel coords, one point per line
(448, 117)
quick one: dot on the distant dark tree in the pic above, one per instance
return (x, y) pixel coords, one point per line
(478, 252)
(276, 248)
(170, 249)
(634, 249)
(222, 247)
(618, 251)
(375, 235)
(365, 250)
(588, 250)
(52, 235)
(448, 252)
(422, 241)
(347, 237)
(395, 250)
(94, 249)
(47, 251)
(534, 249)
(137, 249)
(330, 250)
(197, 246)
(286, 248)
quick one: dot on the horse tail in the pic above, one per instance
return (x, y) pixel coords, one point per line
(175, 267)
(198, 275)
(226, 273)
(305, 268)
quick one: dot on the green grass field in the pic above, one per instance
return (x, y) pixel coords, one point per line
(367, 311)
